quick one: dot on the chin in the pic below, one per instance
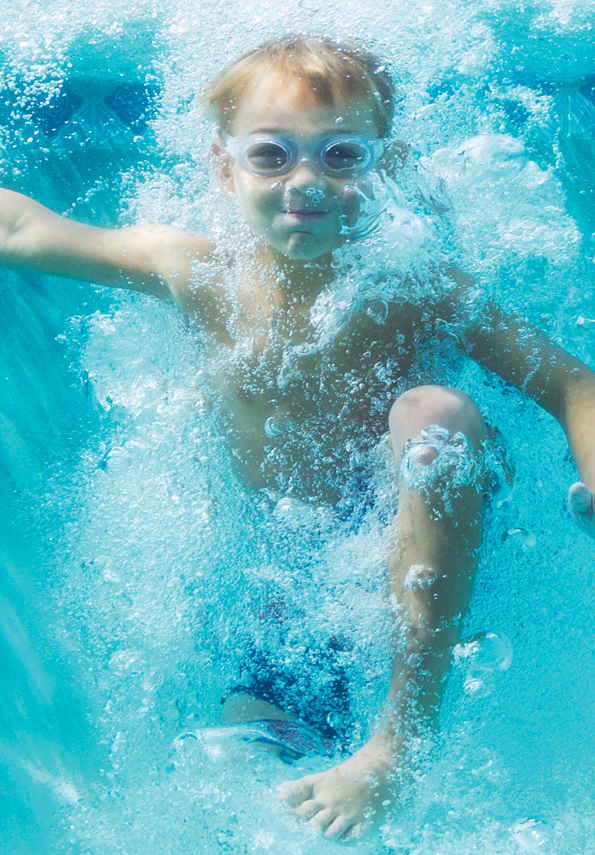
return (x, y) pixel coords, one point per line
(305, 250)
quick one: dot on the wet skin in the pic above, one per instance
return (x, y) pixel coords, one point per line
(339, 396)
(281, 210)
(342, 395)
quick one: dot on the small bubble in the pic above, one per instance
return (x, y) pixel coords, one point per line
(521, 537)
(277, 425)
(584, 322)
(378, 311)
(297, 514)
(334, 720)
(532, 835)
(420, 576)
(478, 687)
(435, 433)
(487, 651)
(316, 195)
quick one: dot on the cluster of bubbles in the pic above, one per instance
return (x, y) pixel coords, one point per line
(154, 543)
(481, 658)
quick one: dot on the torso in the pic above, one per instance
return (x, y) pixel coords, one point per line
(307, 426)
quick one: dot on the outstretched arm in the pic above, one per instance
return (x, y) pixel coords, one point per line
(153, 259)
(526, 358)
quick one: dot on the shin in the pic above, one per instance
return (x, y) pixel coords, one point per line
(435, 434)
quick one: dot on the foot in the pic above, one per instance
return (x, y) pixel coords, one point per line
(351, 799)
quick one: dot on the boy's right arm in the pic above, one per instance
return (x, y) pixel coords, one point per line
(153, 259)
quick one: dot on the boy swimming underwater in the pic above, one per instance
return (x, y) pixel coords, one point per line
(301, 125)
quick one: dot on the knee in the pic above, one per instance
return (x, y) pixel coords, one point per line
(435, 405)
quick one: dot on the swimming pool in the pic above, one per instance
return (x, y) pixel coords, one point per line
(129, 549)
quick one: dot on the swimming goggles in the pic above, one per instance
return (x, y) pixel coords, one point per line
(338, 155)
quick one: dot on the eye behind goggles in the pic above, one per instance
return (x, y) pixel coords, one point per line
(270, 155)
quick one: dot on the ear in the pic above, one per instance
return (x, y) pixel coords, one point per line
(394, 157)
(222, 164)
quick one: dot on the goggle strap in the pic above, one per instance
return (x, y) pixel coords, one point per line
(231, 143)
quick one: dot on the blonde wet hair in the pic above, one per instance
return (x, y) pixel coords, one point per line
(330, 70)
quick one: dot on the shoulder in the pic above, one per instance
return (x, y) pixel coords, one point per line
(196, 272)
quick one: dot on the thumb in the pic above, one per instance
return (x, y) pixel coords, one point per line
(580, 499)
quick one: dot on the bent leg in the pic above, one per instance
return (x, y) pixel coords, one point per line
(437, 535)
(431, 568)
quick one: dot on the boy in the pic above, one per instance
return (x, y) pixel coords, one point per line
(301, 122)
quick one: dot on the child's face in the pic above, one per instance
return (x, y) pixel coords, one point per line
(299, 213)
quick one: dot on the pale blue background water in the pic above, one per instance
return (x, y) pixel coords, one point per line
(123, 544)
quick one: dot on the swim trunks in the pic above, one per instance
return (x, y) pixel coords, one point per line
(292, 739)
(317, 694)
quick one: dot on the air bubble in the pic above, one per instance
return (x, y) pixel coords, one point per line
(378, 311)
(297, 514)
(586, 323)
(487, 651)
(532, 835)
(521, 537)
(479, 687)
(277, 425)
(436, 446)
(335, 720)
(420, 576)
(435, 433)
(416, 455)
(315, 194)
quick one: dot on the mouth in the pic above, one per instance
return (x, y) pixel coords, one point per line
(305, 215)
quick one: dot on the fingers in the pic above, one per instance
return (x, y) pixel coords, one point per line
(580, 499)
(581, 503)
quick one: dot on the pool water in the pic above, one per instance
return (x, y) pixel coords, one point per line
(129, 550)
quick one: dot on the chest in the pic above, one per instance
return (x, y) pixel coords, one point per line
(327, 391)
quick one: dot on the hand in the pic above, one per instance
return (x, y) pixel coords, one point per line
(581, 503)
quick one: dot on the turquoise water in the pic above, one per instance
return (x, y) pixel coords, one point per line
(128, 549)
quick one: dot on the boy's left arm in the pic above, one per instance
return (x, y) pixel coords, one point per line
(526, 358)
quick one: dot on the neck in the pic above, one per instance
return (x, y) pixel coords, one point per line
(297, 281)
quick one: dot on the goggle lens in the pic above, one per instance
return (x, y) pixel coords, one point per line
(267, 158)
(344, 157)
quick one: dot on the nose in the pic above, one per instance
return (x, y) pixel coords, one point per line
(306, 174)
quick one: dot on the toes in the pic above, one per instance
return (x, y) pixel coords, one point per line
(294, 793)
(338, 828)
(323, 819)
(308, 809)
